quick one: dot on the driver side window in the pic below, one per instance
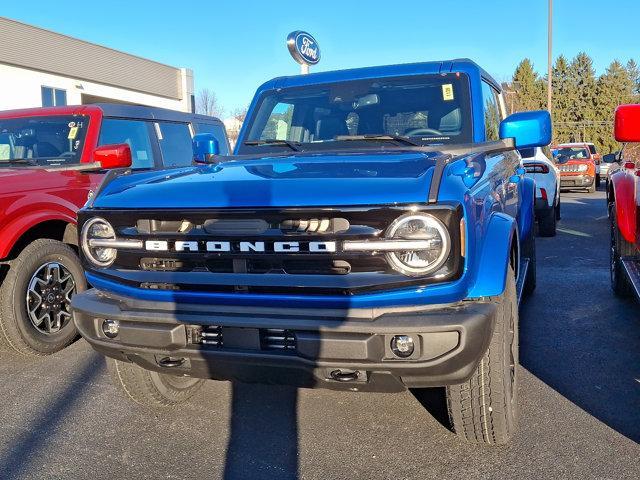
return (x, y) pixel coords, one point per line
(134, 133)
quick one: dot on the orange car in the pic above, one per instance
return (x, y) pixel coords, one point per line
(577, 166)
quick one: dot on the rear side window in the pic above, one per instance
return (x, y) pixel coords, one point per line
(217, 131)
(492, 116)
(175, 144)
(592, 149)
(134, 133)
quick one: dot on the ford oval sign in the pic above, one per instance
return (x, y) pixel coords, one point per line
(303, 48)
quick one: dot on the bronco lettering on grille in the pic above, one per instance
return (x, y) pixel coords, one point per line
(243, 247)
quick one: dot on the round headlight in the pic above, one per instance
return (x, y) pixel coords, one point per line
(582, 168)
(419, 227)
(98, 229)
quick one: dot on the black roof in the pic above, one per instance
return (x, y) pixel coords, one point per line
(151, 113)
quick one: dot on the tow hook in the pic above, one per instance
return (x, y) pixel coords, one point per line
(345, 375)
(171, 362)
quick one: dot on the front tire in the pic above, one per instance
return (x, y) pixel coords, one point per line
(35, 298)
(592, 188)
(619, 248)
(152, 389)
(484, 409)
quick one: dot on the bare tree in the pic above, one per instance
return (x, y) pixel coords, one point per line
(234, 124)
(207, 103)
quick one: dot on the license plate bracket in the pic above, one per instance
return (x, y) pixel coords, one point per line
(242, 338)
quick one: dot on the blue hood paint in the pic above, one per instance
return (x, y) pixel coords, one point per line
(297, 180)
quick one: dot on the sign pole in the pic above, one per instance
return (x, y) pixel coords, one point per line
(304, 69)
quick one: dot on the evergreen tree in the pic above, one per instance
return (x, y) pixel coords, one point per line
(634, 73)
(614, 87)
(563, 103)
(529, 87)
(582, 75)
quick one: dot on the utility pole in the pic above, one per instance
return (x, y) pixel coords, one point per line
(550, 57)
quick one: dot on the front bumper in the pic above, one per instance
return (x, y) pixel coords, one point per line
(576, 181)
(449, 342)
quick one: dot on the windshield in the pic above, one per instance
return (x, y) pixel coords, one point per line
(426, 109)
(565, 154)
(42, 140)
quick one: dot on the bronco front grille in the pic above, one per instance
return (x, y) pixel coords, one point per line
(194, 267)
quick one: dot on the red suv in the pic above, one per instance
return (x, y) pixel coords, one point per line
(577, 166)
(51, 159)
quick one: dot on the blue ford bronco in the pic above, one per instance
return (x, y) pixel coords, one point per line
(372, 232)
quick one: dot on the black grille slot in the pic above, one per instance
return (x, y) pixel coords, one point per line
(277, 339)
(211, 335)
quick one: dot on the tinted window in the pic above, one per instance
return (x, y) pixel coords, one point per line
(135, 133)
(565, 154)
(491, 112)
(527, 152)
(50, 140)
(592, 149)
(430, 109)
(175, 144)
(216, 130)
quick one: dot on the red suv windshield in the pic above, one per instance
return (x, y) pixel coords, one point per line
(42, 140)
(572, 153)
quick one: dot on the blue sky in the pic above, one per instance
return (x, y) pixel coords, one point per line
(234, 46)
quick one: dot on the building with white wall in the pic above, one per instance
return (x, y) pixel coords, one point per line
(40, 68)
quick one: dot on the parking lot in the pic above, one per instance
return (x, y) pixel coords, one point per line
(579, 396)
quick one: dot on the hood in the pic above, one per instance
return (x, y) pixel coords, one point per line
(25, 179)
(300, 180)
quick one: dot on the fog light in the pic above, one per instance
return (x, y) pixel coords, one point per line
(111, 328)
(402, 346)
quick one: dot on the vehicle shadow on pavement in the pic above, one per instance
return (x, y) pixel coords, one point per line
(263, 438)
(36, 437)
(575, 334)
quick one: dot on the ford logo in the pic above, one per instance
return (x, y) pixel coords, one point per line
(303, 48)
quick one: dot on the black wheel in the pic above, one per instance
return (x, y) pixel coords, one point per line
(597, 180)
(547, 222)
(485, 408)
(558, 213)
(619, 248)
(35, 298)
(152, 389)
(592, 188)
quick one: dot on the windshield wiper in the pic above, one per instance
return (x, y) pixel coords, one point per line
(374, 137)
(295, 146)
(19, 161)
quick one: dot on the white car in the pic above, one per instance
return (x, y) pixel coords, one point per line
(547, 177)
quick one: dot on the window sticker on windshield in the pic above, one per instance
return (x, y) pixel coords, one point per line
(73, 133)
(447, 92)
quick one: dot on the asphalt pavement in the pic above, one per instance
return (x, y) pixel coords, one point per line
(61, 418)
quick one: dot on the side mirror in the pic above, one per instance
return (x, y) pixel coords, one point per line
(627, 124)
(113, 156)
(528, 129)
(609, 158)
(205, 146)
